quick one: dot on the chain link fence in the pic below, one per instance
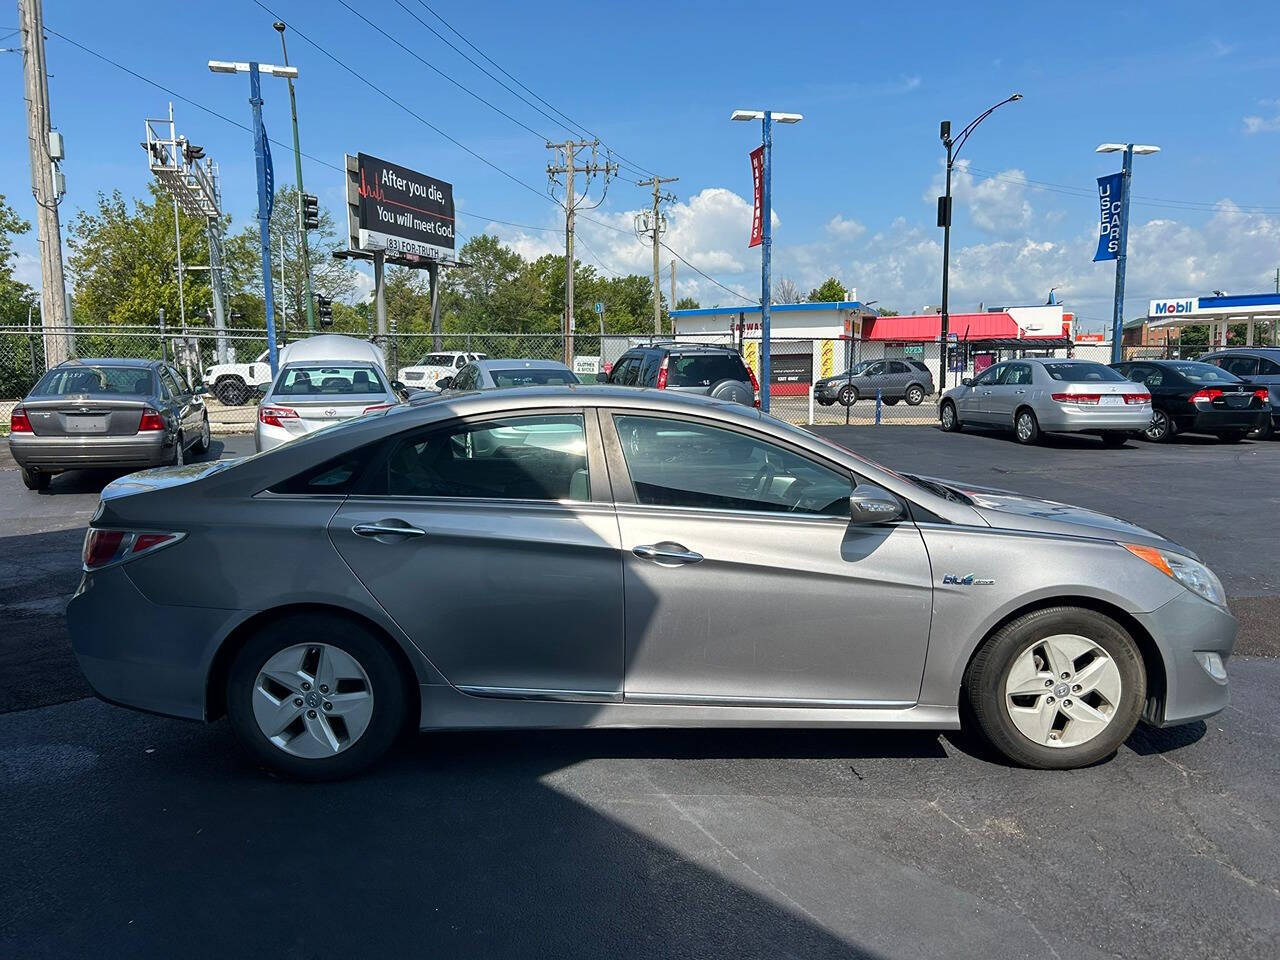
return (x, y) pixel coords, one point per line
(831, 381)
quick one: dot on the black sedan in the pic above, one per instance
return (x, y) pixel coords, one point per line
(1192, 397)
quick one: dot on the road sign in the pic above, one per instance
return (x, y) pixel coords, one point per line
(600, 308)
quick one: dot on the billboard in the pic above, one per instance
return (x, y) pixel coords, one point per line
(406, 214)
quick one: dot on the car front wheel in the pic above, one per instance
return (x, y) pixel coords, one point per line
(948, 417)
(1056, 688)
(320, 709)
(848, 395)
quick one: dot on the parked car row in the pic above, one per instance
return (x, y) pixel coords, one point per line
(1155, 399)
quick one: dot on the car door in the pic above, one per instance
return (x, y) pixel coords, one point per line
(178, 402)
(875, 377)
(192, 406)
(972, 400)
(1010, 389)
(493, 544)
(745, 582)
(896, 380)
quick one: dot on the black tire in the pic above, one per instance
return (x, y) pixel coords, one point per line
(1265, 432)
(915, 395)
(892, 403)
(822, 402)
(1026, 428)
(201, 446)
(848, 395)
(1115, 438)
(231, 391)
(34, 479)
(1232, 436)
(949, 417)
(179, 455)
(1162, 428)
(984, 687)
(389, 688)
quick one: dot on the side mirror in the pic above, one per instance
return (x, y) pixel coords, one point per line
(444, 383)
(397, 386)
(966, 381)
(199, 390)
(869, 504)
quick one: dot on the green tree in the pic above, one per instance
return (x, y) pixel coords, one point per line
(886, 312)
(687, 303)
(830, 291)
(15, 296)
(123, 261)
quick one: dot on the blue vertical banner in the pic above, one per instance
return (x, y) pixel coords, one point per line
(1110, 201)
(269, 173)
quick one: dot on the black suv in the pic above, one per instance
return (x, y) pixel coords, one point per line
(706, 369)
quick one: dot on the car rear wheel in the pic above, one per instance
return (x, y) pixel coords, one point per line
(322, 709)
(823, 402)
(1265, 432)
(34, 479)
(1056, 688)
(948, 417)
(1232, 436)
(915, 395)
(892, 402)
(848, 395)
(1025, 426)
(1161, 429)
(1115, 438)
(231, 391)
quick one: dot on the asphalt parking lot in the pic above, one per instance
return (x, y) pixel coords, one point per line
(134, 835)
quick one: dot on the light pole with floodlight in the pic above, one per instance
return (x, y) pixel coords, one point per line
(767, 119)
(266, 186)
(953, 146)
(1126, 174)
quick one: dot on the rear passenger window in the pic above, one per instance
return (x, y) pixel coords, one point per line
(704, 370)
(336, 476)
(514, 458)
(1240, 366)
(1268, 368)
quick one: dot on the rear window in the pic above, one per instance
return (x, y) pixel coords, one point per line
(1204, 373)
(533, 377)
(95, 381)
(704, 369)
(329, 380)
(1082, 371)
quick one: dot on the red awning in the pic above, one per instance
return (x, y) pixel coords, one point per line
(926, 327)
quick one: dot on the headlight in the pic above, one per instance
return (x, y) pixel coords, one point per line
(1192, 574)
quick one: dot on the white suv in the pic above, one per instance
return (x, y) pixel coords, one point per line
(424, 374)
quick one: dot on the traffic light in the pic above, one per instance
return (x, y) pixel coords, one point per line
(191, 153)
(310, 212)
(324, 309)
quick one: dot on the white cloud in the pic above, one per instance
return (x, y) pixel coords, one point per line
(997, 204)
(839, 226)
(1256, 123)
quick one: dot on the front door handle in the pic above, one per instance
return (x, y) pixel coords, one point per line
(666, 553)
(387, 528)
(1019, 391)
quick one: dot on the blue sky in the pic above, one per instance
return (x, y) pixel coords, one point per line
(853, 184)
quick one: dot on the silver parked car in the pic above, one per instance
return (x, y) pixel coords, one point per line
(606, 557)
(500, 374)
(905, 379)
(312, 394)
(1034, 396)
(114, 414)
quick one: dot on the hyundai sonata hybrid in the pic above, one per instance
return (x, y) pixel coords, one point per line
(609, 557)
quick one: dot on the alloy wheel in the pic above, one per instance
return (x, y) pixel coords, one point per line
(1026, 426)
(1158, 428)
(312, 700)
(1062, 691)
(915, 396)
(948, 416)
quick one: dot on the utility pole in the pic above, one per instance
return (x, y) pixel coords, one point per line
(566, 165)
(673, 290)
(655, 227)
(45, 178)
(297, 166)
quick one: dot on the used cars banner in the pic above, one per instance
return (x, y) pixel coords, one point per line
(403, 211)
(1109, 198)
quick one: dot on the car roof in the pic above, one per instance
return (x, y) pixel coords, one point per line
(577, 395)
(685, 347)
(108, 361)
(1268, 352)
(527, 364)
(335, 361)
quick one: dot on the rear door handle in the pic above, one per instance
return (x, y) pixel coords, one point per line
(387, 528)
(666, 553)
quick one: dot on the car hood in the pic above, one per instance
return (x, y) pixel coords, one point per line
(160, 478)
(1007, 510)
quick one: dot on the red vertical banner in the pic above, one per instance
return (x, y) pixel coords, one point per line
(757, 180)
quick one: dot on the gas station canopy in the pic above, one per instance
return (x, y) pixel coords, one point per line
(1218, 312)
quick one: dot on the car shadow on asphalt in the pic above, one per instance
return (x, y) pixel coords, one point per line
(1084, 441)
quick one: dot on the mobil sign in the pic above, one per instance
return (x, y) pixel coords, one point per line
(1173, 308)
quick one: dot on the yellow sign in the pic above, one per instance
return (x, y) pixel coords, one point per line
(751, 353)
(827, 359)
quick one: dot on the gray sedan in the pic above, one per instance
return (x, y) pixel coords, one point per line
(1037, 395)
(126, 414)
(499, 374)
(605, 557)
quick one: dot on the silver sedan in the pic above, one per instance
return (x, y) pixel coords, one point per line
(1035, 396)
(607, 557)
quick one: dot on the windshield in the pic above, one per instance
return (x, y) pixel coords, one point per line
(534, 377)
(1204, 373)
(328, 379)
(704, 369)
(856, 369)
(436, 360)
(95, 381)
(1082, 371)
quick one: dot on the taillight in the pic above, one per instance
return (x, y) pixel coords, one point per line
(150, 420)
(271, 416)
(1205, 393)
(102, 547)
(755, 385)
(18, 422)
(1085, 398)
(1137, 398)
(1263, 394)
(662, 374)
(377, 406)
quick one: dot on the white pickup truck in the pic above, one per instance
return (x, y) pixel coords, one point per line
(234, 383)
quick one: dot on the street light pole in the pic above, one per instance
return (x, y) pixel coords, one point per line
(1126, 175)
(944, 221)
(767, 119)
(297, 163)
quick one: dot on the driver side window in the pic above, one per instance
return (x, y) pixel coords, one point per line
(990, 375)
(680, 463)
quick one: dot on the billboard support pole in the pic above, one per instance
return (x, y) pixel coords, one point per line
(380, 296)
(437, 338)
